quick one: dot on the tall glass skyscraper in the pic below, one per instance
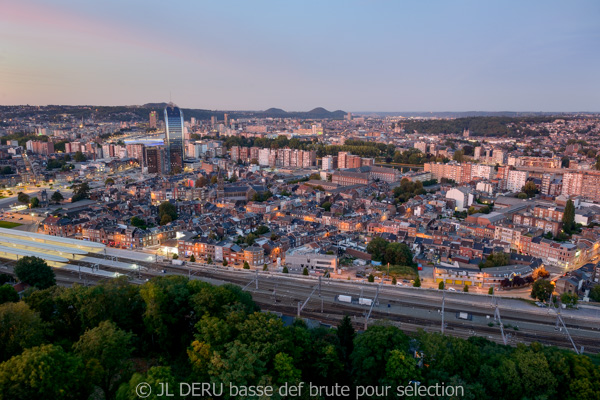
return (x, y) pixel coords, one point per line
(174, 138)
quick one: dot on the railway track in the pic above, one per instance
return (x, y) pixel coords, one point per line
(282, 294)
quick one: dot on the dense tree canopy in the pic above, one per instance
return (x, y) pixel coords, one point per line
(390, 252)
(35, 271)
(109, 338)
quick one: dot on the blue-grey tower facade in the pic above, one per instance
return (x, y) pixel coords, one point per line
(174, 138)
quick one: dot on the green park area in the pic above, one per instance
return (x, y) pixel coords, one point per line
(9, 225)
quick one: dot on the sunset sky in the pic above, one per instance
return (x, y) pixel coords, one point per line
(297, 55)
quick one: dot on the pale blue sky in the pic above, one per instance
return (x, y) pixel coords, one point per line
(297, 55)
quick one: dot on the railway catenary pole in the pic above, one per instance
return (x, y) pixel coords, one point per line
(373, 303)
(443, 304)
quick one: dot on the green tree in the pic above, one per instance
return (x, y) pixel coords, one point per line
(44, 372)
(80, 192)
(155, 377)
(345, 333)
(564, 162)
(23, 198)
(305, 271)
(441, 285)
(8, 294)
(5, 278)
(417, 282)
(109, 181)
(57, 197)
(20, 328)
(394, 281)
(372, 351)
(165, 219)
(265, 267)
(371, 278)
(542, 289)
(225, 263)
(376, 248)
(491, 290)
(209, 260)
(167, 304)
(138, 222)
(34, 202)
(568, 219)
(315, 177)
(400, 368)
(246, 265)
(105, 350)
(261, 230)
(595, 293)
(35, 271)
(569, 299)
(458, 155)
(166, 209)
(79, 157)
(285, 370)
(466, 288)
(192, 258)
(530, 189)
(175, 256)
(398, 254)
(326, 206)
(522, 196)
(285, 270)
(597, 165)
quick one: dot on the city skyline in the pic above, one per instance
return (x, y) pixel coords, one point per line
(355, 56)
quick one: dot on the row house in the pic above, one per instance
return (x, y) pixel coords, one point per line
(509, 234)
(62, 226)
(560, 254)
(552, 213)
(546, 225)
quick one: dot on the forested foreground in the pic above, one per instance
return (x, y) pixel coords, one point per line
(103, 341)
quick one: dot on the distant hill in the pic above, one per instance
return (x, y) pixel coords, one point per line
(315, 113)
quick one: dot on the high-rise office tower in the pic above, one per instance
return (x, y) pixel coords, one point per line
(226, 119)
(174, 138)
(153, 119)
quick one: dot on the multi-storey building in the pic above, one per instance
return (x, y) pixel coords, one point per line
(460, 173)
(174, 138)
(346, 178)
(560, 254)
(582, 183)
(516, 180)
(547, 225)
(551, 213)
(327, 163)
